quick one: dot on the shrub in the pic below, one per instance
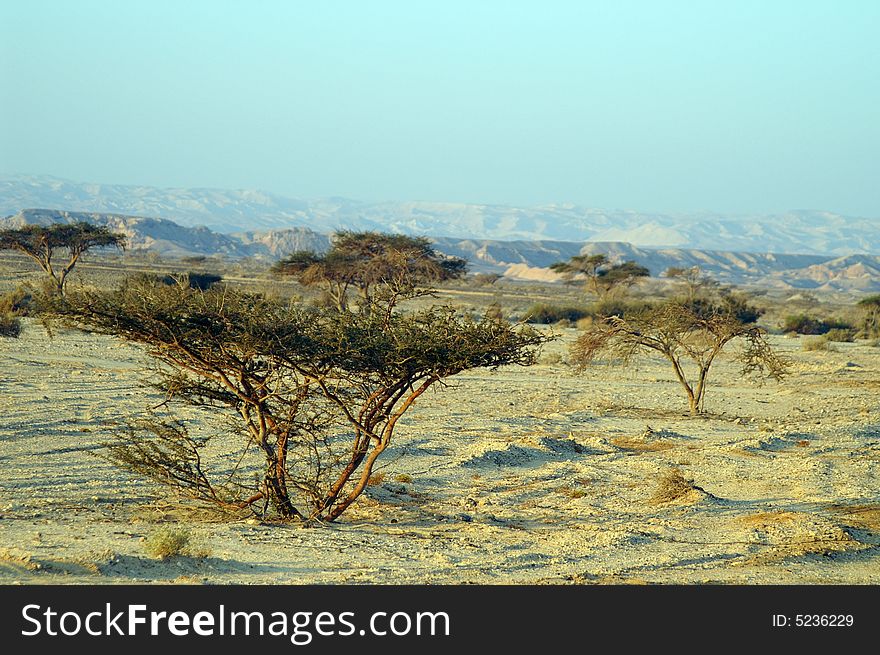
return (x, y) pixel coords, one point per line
(546, 313)
(803, 324)
(846, 335)
(10, 325)
(167, 542)
(615, 307)
(816, 343)
(18, 302)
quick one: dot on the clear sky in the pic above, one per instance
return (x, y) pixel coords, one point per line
(655, 106)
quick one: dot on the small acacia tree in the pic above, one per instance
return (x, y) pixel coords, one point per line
(600, 276)
(382, 268)
(681, 334)
(319, 394)
(42, 243)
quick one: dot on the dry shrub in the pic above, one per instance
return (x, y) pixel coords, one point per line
(10, 325)
(167, 542)
(376, 479)
(673, 486)
(865, 517)
(642, 446)
(570, 491)
(403, 478)
(814, 344)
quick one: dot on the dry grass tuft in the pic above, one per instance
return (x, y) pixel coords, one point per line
(376, 479)
(639, 445)
(674, 486)
(865, 517)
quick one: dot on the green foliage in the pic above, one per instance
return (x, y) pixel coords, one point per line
(804, 324)
(602, 278)
(547, 313)
(167, 542)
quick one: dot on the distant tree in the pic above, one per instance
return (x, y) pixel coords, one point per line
(42, 243)
(681, 335)
(601, 277)
(486, 279)
(382, 268)
(694, 281)
(870, 310)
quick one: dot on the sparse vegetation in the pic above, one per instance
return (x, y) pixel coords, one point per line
(318, 393)
(42, 243)
(804, 324)
(680, 334)
(548, 314)
(600, 276)
(383, 268)
(167, 542)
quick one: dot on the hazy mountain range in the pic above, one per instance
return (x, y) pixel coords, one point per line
(232, 211)
(516, 259)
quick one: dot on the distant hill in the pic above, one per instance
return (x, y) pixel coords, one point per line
(236, 211)
(520, 259)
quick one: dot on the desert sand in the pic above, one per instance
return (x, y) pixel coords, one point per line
(522, 475)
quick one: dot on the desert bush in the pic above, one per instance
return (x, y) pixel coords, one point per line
(845, 335)
(318, 394)
(681, 335)
(494, 312)
(616, 307)
(816, 343)
(18, 302)
(167, 542)
(547, 313)
(485, 279)
(672, 486)
(804, 324)
(10, 325)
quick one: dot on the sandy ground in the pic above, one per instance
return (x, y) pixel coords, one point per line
(527, 476)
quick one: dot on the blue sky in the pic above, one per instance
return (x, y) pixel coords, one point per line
(653, 106)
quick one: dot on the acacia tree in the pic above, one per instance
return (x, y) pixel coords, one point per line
(687, 338)
(319, 394)
(42, 243)
(600, 276)
(695, 282)
(382, 268)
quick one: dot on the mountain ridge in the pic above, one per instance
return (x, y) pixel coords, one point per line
(516, 259)
(237, 211)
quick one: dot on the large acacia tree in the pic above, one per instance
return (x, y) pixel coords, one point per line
(690, 337)
(72, 240)
(316, 394)
(382, 268)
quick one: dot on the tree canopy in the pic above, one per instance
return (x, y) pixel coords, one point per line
(601, 277)
(41, 243)
(382, 268)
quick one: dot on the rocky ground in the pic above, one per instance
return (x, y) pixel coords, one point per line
(525, 476)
